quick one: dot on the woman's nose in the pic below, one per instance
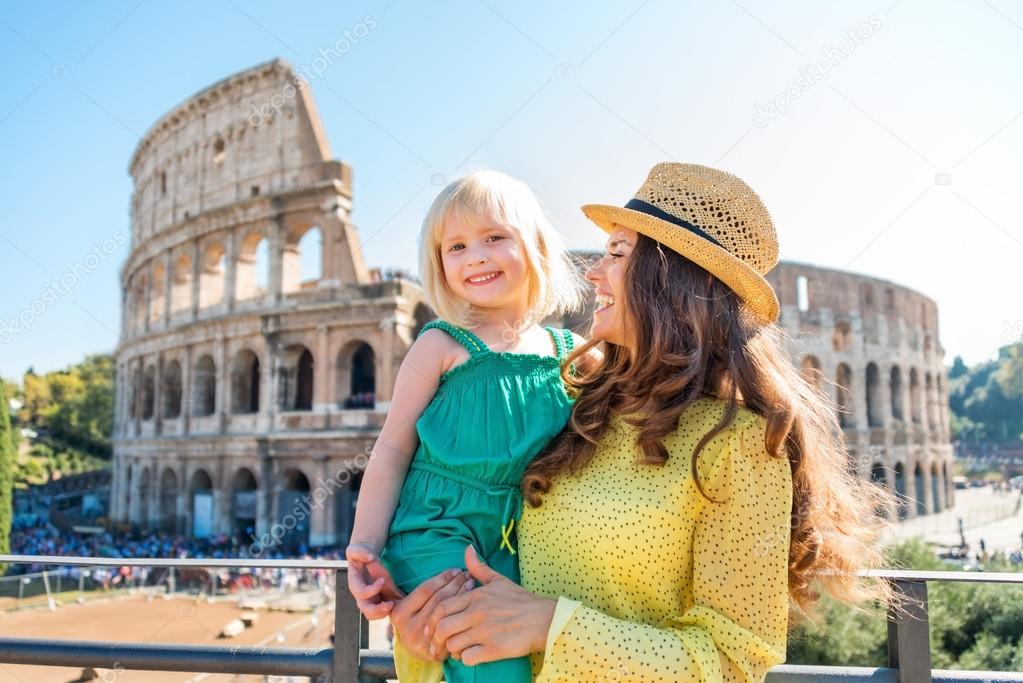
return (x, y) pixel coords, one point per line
(591, 273)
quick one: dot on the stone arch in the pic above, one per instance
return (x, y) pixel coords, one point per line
(896, 391)
(810, 366)
(213, 275)
(296, 378)
(302, 260)
(245, 382)
(181, 284)
(947, 483)
(874, 415)
(168, 500)
(347, 500)
(844, 396)
(201, 510)
(879, 477)
(421, 315)
(136, 393)
(920, 481)
(156, 294)
(148, 392)
(841, 336)
(937, 498)
(293, 511)
(900, 491)
(244, 492)
(138, 306)
(356, 375)
(170, 390)
(252, 278)
(204, 387)
(867, 296)
(145, 493)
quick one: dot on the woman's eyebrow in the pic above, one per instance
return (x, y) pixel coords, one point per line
(614, 243)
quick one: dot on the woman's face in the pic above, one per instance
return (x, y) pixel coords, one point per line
(608, 278)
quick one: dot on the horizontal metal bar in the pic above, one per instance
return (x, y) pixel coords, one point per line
(788, 673)
(153, 657)
(172, 562)
(960, 576)
(957, 576)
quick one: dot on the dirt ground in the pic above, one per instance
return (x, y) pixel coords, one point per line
(159, 619)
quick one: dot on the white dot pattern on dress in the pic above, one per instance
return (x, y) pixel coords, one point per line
(654, 582)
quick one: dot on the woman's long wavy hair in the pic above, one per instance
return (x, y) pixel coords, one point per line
(690, 338)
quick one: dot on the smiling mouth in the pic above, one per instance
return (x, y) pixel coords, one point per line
(603, 302)
(484, 279)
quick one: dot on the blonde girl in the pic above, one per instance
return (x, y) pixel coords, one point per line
(478, 395)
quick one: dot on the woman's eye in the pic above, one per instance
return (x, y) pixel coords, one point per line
(615, 256)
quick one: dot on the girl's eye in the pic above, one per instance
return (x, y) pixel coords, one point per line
(455, 247)
(496, 237)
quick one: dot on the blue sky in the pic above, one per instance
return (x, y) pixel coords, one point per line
(885, 137)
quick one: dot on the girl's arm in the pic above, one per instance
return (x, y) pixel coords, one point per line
(414, 388)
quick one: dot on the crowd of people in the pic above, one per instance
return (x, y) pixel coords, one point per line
(37, 537)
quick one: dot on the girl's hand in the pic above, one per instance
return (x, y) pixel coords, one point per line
(370, 582)
(498, 620)
(411, 616)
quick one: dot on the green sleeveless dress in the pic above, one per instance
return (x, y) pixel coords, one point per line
(490, 417)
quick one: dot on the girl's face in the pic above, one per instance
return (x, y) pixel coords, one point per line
(608, 278)
(484, 264)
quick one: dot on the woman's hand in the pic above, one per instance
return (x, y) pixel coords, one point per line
(370, 582)
(411, 615)
(498, 620)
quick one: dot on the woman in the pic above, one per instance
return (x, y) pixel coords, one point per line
(701, 485)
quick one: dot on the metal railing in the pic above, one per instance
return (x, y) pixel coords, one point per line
(351, 660)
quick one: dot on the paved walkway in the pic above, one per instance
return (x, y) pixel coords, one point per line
(994, 516)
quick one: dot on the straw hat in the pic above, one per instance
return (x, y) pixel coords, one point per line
(710, 217)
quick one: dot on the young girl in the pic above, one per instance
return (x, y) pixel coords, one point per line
(477, 396)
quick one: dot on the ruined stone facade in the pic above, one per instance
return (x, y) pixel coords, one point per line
(873, 347)
(258, 353)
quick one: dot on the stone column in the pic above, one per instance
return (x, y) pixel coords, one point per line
(168, 284)
(196, 276)
(322, 371)
(231, 274)
(223, 379)
(158, 397)
(276, 249)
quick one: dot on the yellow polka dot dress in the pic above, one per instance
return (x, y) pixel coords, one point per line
(653, 581)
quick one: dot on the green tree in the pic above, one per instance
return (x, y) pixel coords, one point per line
(6, 474)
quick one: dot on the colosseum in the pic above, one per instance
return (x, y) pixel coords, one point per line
(258, 352)
(873, 347)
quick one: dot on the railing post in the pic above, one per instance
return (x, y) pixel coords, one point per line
(347, 623)
(909, 634)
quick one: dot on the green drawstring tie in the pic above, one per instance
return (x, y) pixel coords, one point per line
(506, 536)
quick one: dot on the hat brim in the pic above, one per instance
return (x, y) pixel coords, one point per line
(748, 284)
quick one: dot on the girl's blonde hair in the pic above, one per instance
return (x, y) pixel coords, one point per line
(555, 286)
